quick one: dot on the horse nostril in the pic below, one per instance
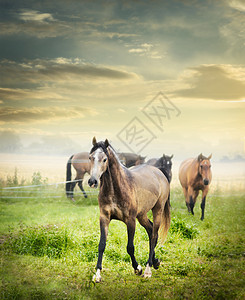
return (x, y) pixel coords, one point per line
(206, 181)
(93, 182)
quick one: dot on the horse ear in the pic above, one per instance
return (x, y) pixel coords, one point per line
(200, 158)
(94, 142)
(171, 156)
(163, 155)
(210, 156)
(106, 143)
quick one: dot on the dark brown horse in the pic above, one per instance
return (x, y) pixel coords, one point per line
(130, 159)
(126, 195)
(164, 164)
(195, 175)
(81, 164)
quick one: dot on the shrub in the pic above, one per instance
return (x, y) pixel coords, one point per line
(183, 229)
(39, 241)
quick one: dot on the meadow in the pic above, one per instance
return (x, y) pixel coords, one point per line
(48, 246)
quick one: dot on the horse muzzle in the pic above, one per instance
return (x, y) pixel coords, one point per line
(206, 182)
(93, 182)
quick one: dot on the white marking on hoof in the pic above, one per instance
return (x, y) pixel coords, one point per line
(138, 271)
(147, 273)
(73, 200)
(97, 277)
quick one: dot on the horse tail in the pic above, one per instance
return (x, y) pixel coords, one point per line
(68, 176)
(166, 219)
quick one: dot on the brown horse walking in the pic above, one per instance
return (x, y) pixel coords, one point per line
(195, 175)
(81, 164)
(126, 195)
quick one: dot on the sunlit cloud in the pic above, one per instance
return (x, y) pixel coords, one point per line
(33, 15)
(60, 69)
(42, 114)
(237, 4)
(218, 82)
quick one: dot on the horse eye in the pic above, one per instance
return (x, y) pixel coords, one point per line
(105, 159)
(89, 157)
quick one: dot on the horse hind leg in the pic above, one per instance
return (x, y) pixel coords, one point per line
(130, 246)
(148, 225)
(80, 184)
(157, 217)
(70, 193)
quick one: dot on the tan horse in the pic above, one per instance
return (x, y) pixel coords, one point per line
(81, 164)
(126, 195)
(195, 175)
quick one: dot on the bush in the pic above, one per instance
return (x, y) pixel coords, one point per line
(39, 241)
(184, 230)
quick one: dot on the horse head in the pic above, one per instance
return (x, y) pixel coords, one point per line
(166, 161)
(204, 168)
(99, 161)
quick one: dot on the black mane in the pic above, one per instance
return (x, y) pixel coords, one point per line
(100, 145)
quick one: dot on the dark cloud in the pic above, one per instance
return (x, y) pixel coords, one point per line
(218, 82)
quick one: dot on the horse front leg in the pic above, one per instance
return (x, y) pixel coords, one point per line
(130, 246)
(192, 194)
(104, 224)
(204, 194)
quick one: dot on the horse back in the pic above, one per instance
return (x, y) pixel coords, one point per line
(149, 178)
(81, 162)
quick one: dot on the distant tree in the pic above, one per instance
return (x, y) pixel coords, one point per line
(10, 142)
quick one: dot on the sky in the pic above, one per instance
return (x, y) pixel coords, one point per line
(151, 76)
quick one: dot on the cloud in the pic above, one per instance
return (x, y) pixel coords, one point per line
(33, 15)
(237, 4)
(218, 82)
(145, 49)
(41, 114)
(60, 69)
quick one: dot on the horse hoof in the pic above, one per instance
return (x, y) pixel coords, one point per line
(147, 273)
(156, 264)
(138, 271)
(96, 278)
(73, 200)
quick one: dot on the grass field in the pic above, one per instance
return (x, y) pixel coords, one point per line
(49, 247)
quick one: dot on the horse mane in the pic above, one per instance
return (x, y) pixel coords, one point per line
(104, 147)
(100, 145)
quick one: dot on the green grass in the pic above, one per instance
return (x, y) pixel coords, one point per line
(49, 250)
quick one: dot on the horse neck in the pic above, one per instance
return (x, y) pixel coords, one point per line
(114, 176)
(195, 168)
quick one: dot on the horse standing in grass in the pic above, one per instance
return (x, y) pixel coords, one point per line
(195, 175)
(126, 195)
(81, 164)
(164, 164)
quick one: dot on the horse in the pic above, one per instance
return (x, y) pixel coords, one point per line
(195, 175)
(131, 159)
(164, 164)
(125, 195)
(81, 164)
